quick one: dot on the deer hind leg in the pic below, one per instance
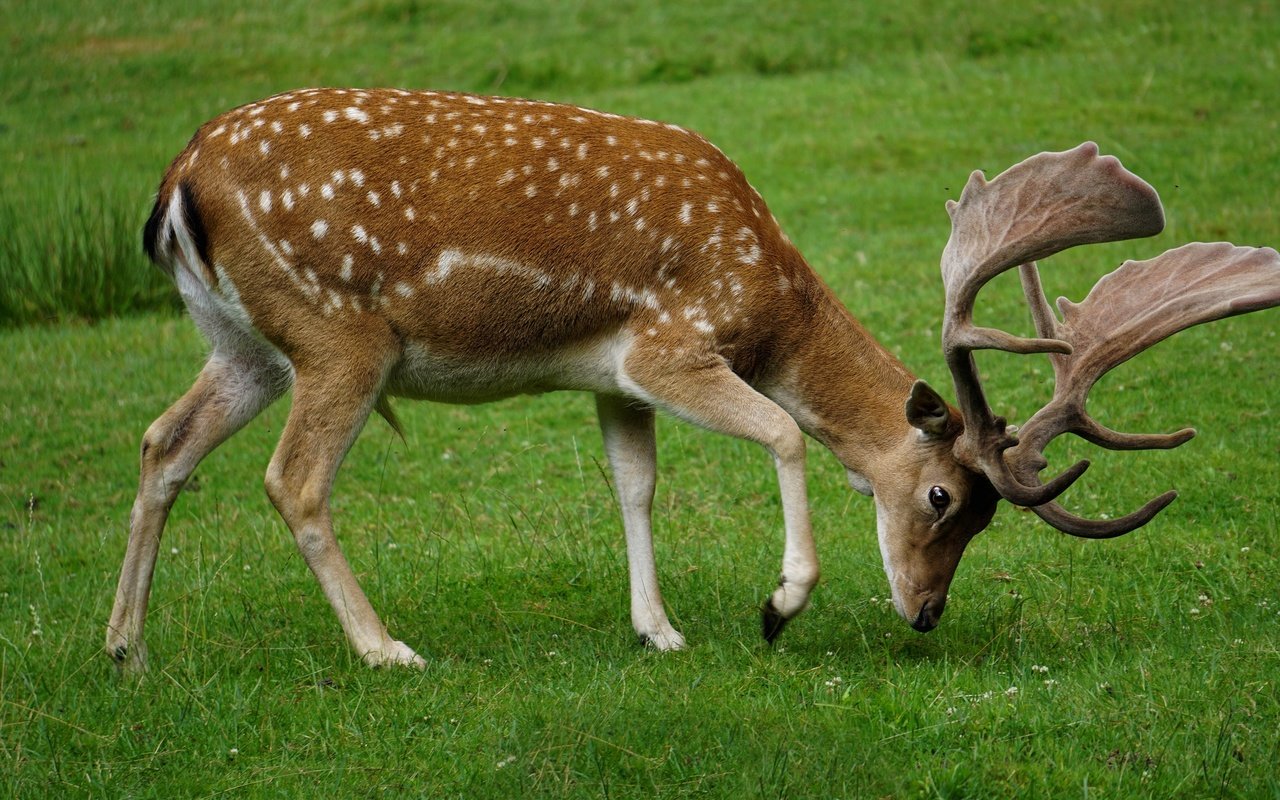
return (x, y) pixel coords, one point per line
(703, 390)
(230, 391)
(330, 405)
(631, 447)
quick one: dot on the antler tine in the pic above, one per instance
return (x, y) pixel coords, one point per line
(1082, 528)
(1135, 307)
(1045, 204)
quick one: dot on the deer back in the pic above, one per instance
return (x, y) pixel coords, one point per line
(480, 228)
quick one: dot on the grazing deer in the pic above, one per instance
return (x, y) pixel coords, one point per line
(357, 245)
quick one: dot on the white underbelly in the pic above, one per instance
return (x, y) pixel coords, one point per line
(593, 366)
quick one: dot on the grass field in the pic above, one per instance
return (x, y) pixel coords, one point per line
(488, 539)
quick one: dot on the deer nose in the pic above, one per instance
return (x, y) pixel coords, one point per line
(927, 619)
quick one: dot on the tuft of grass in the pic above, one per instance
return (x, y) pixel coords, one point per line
(72, 251)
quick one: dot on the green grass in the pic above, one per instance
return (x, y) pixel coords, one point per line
(1144, 667)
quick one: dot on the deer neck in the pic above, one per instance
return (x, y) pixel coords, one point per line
(844, 389)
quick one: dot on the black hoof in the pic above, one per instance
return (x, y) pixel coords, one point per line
(771, 622)
(119, 653)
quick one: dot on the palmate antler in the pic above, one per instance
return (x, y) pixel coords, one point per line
(1039, 207)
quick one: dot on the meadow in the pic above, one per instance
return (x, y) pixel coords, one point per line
(488, 538)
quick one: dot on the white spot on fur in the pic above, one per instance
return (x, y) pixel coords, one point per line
(347, 263)
(319, 228)
(686, 213)
(326, 192)
(374, 198)
(360, 233)
(355, 115)
(264, 201)
(287, 199)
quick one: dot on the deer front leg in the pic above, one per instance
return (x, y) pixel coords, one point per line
(330, 406)
(229, 392)
(703, 390)
(631, 447)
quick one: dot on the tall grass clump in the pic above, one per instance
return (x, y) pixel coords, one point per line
(72, 251)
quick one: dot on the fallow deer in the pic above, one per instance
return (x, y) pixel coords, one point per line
(358, 245)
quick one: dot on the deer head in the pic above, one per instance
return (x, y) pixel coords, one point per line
(1046, 204)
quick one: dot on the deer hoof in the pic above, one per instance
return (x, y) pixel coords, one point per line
(395, 654)
(129, 659)
(664, 641)
(771, 622)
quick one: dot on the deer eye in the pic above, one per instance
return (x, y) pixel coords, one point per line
(939, 499)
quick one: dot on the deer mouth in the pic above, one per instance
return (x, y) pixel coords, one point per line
(928, 616)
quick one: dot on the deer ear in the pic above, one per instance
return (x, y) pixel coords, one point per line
(927, 411)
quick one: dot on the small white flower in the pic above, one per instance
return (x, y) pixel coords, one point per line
(1195, 611)
(1012, 691)
(1244, 549)
(173, 551)
(1039, 668)
(1050, 683)
(233, 752)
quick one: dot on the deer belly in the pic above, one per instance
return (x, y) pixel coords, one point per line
(435, 373)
